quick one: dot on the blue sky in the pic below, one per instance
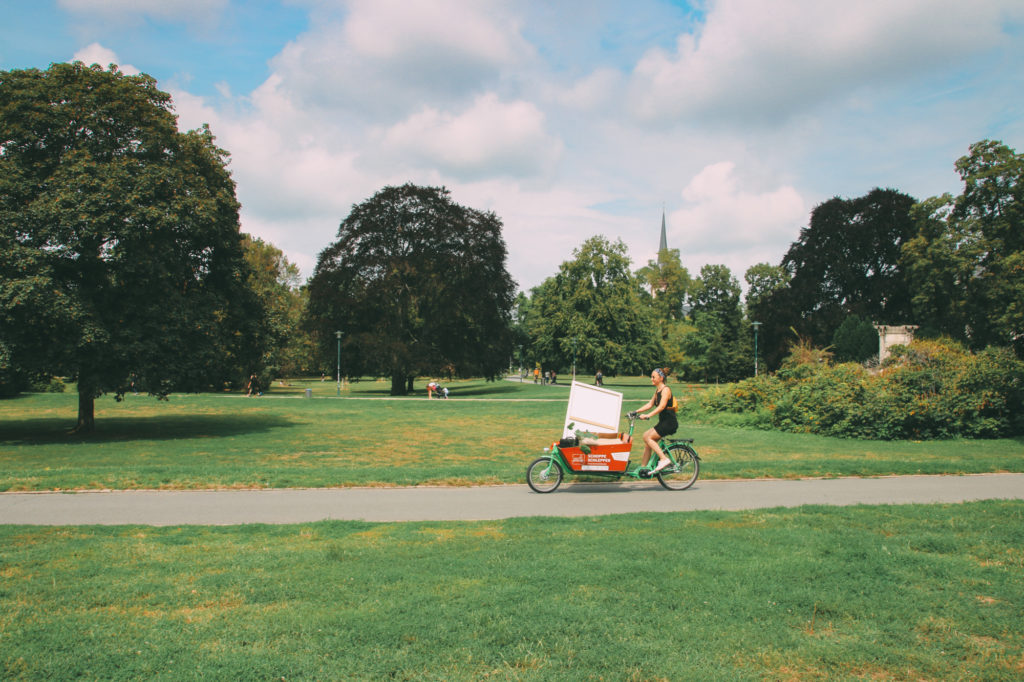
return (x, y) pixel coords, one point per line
(568, 119)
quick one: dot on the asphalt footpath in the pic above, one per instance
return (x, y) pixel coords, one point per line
(424, 503)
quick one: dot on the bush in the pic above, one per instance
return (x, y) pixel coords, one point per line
(928, 390)
(47, 385)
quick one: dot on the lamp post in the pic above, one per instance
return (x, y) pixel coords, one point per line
(520, 364)
(755, 325)
(338, 334)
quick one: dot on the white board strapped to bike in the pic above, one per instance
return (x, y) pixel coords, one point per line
(595, 411)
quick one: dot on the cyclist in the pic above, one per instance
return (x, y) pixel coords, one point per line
(663, 405)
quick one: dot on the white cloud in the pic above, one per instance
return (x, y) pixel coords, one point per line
(390, 56)
(97, 54)
(403, 32)
(491, 138)
(723, 221)
(769, 60)
(451, 93)
(595, 92)
(296, 181)
(542, 225)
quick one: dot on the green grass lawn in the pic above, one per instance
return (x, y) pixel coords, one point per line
(486, 433)
(924, 592)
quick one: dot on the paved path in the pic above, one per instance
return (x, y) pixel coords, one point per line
(223, 507)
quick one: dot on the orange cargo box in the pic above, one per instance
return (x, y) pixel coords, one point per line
(608, 452)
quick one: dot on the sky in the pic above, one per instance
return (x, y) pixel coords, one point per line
(567, 118)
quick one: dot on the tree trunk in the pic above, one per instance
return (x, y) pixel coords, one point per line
(398, 383)
(408, 385)
(86, 408)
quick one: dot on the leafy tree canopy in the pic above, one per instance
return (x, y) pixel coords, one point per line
(669, 283)
(594, 310)
(416, 284)
(120, 255)
(763, 280)
(966, 262)
(847, 261)
(276, 282)
(720, 350)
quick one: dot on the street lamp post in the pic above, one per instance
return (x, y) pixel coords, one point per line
(338, 334)
(520, 364)
(755, 325)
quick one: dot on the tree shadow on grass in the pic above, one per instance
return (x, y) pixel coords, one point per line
(495, 389)
(47, 431)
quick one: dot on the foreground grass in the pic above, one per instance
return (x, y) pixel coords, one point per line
(487, 433)
(904, 592)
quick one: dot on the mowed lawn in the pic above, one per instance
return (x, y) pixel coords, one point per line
(486, 433)
(882, 592)
(915, 592)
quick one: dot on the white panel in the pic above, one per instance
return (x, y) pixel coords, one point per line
(592, 408)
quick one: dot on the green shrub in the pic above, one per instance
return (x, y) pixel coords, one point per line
(928, 390)
(47, 385)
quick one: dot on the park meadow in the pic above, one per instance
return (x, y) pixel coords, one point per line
(868, 592)
(358, 435)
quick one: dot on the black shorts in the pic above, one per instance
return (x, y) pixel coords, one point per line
(666, 426)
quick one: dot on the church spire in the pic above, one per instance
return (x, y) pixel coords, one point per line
(664, 239)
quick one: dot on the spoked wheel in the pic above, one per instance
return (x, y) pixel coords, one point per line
(684, 474)
(544, 475)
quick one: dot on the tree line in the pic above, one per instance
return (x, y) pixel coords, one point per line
(124, 267)
(953, 266)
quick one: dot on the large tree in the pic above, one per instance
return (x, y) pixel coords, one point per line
(762, 280)
(416, 284)
(594, 310)
(966, 262)
(120, 253)
(669, 283)
(720, 349)
(276, 282)
(847, 261)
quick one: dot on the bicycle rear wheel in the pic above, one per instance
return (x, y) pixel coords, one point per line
(686, 470)
(544, 475)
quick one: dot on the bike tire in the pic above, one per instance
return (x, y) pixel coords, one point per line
(686, 470)
(544, 475)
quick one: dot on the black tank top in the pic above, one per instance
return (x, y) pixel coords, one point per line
(666, 415)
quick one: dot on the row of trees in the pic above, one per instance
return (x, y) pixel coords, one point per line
(954, 266)
(123, 264)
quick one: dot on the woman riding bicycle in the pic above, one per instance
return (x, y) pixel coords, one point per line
(664, 406)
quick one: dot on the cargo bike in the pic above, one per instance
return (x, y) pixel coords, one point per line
(605, 454)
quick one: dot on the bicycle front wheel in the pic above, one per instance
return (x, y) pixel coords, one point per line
(544, 475)
(686, 469)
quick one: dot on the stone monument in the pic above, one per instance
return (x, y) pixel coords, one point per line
(893, 335)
